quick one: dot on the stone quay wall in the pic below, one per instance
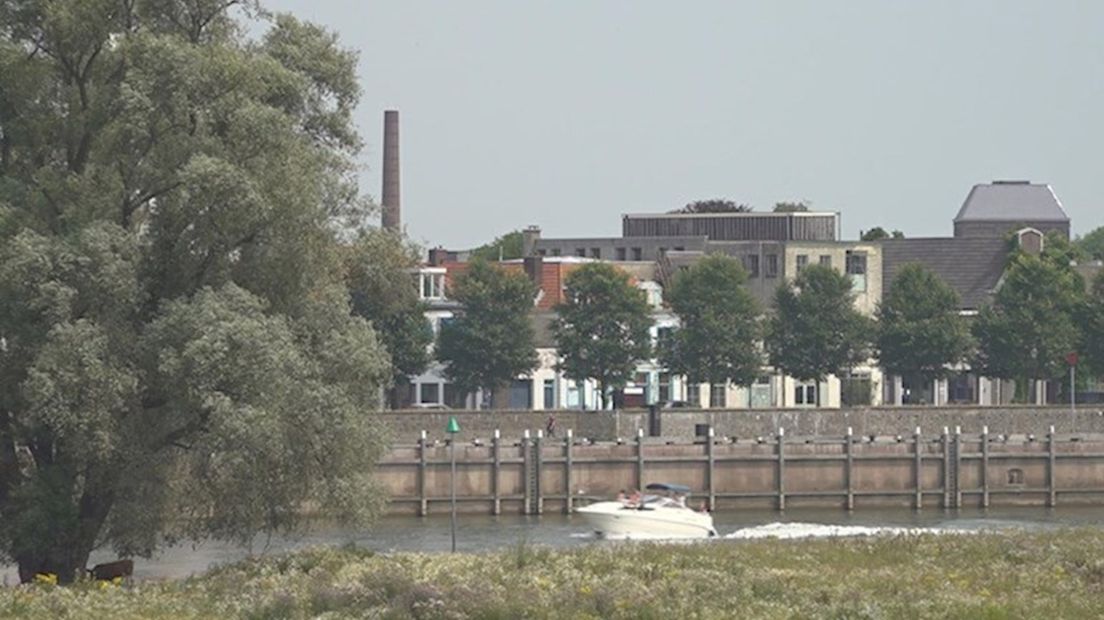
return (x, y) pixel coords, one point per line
(406, 426)
(919, 471)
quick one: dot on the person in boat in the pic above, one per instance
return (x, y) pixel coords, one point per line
(634, 499)
(621, 497)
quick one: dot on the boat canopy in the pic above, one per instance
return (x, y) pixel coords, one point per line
(670, 488)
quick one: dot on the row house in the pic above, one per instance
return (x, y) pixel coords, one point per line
(772, 247)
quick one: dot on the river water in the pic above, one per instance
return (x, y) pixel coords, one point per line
(481, 533)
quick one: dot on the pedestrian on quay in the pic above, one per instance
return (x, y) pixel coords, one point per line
(551, 426)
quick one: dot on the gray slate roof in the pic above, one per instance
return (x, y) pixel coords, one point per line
(1011, 201)
(971, 266)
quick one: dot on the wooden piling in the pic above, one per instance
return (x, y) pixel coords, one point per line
(946, 468)
(423, 501)
(538, 460)
(569, 443)
(781, 469)
(496, 473)
(918, 468)
(1052, 458)
(640, 459)
(710, 473)
(849, 468)
(984, 466)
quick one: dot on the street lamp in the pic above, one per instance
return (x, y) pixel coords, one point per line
(452, 429)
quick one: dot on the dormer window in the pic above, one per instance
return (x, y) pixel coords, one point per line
(430, 283)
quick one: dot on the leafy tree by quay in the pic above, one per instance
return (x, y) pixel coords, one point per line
(491, 340)
(179, 357)
(920, 332)
(506, 247)
(1092, 244)
(714, 205)
(602, 327)
(816, 330)
(1030, 327)
(877, 233)
(1092, 326)
(718, 339)
(377, 271)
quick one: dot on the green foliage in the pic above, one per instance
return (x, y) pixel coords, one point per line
(506, 247)
(1092, 326)
(602, 327)
(178, 355)
(791, 207)
(1016, 574)
(490, 342)
(877, 233)
(920, 332)
(718, 339)
(714, 205)
(378, 272)
(1092, 244)
(816, 330)
(1030, 326)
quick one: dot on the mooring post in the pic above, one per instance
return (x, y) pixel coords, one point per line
(423, 503)
(958, 467)
(984, 466)
(850, 464)
(781, 469)
(526, 474)
(1052, 458)
(946, 468)
(538, 457)
(496, 472)
(640, 459)
(711, 489)
(569, 443)
(918, 468)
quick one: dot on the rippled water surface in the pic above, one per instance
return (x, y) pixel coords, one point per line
(480, 533)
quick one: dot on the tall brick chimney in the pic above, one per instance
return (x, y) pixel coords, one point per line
(391, 218)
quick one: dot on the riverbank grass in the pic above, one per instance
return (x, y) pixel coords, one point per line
(1058, 574)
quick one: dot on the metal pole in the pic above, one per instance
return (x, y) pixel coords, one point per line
(452, 453)
(1073, 393)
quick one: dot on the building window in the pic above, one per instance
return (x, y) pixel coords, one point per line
(805, 394)
(549, 393)
(693, 394)
(596, 252)
(541, 252)
(825, 260)
(521, 394)
(620, 253)
(718, 395)
(663, 335)
(679, 248)
(581, 252)
(856, 269)
(751, 264)
(555, 251)
(770, 268)
(637, 254)
(802, 262)
(664, 387)
(428, 393)
(432, 285)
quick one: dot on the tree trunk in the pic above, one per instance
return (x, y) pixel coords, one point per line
(66, 554)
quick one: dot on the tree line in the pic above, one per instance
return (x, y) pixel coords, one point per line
(1041, 312)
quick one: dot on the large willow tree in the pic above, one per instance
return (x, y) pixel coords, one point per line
(177, 355)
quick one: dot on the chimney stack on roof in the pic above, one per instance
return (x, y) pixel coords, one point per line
(391, 218)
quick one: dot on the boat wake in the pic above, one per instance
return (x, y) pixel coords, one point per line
(818, 530)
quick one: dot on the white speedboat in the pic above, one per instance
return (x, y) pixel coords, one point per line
(663, 514)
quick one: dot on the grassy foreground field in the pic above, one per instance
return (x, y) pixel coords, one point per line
(1009, 575)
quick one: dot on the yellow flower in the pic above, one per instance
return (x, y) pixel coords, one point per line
(46, 578)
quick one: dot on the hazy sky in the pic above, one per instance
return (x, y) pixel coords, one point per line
(566, 114)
